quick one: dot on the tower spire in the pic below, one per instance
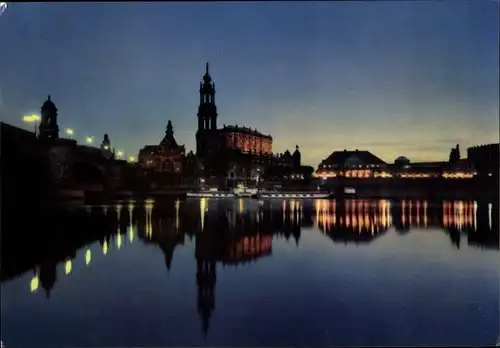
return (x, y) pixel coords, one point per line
(206, 69)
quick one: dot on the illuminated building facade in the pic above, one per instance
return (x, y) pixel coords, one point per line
(238, 152)
(246, 140)
(210, 139)
(232, 150)
(350, 164)
(168, 156)
(364, 165)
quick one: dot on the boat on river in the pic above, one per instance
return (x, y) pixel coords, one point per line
(242, 191)
(294, 195)
(211, 193)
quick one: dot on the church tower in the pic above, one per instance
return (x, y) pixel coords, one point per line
(48, 129)
(207, 115)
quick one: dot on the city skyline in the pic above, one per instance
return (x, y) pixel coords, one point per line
(410, 79)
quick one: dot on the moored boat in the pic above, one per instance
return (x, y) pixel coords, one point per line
(210, 194)
(294, 195)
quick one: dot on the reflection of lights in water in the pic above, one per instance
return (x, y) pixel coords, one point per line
(460, 215)
(119, 241)
(177, 207)
(490, 206)
(130, 234)
(457, 214)
(88, 257)
(105, 247)
(318, 207)
(418, 213)
(148, 205)
(118, 210)
(203, 210)
(149, 224)
(425, 213)
(475, 216)
(283, 208)
(409, 212)
(67, 267)
(241, 205)
(35, 282)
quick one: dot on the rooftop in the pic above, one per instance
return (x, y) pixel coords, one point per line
(338, 157)
(243, 129)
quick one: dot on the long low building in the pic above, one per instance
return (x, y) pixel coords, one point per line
(365, 165)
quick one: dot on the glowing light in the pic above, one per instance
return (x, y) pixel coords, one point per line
(67, 267)
(31, 118)
(88, 257)
(490, 206)
(131, 159)
(70, 132)
(119, 241)
(203, 210)
(35, 282)
(241, 205)
(131, 234)
(177, 207)
(149, 222)
(119, 154)
(89, 140)
(105, 247)
(106, 147)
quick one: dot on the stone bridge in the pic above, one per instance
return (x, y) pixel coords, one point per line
(84, 167)
(27, 161)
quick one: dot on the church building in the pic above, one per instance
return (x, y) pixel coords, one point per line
(237, 152)
(167, 156)
(210, 139)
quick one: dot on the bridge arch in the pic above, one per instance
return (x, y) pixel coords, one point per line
(84, 173)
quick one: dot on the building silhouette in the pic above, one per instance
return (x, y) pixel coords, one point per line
(166, 157)
(48, 129)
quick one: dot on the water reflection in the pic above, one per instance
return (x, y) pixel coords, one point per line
(229, 233)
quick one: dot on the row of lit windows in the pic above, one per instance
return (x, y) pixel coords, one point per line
(249, 143)
(367, 174)
(351, 166)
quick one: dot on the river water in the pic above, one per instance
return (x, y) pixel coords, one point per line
(205, 272)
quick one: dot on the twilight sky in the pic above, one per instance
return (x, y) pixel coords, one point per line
(395, 78)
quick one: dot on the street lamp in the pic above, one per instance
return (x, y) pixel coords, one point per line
(89, 140)
(70, 132)
(33, 118)
(131, 159)
(119, 154)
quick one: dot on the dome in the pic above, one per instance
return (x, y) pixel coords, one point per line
(207, 78)
(49, 105)
(296, 152)
(402, 159)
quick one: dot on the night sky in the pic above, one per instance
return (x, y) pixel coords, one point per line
(394, 78)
